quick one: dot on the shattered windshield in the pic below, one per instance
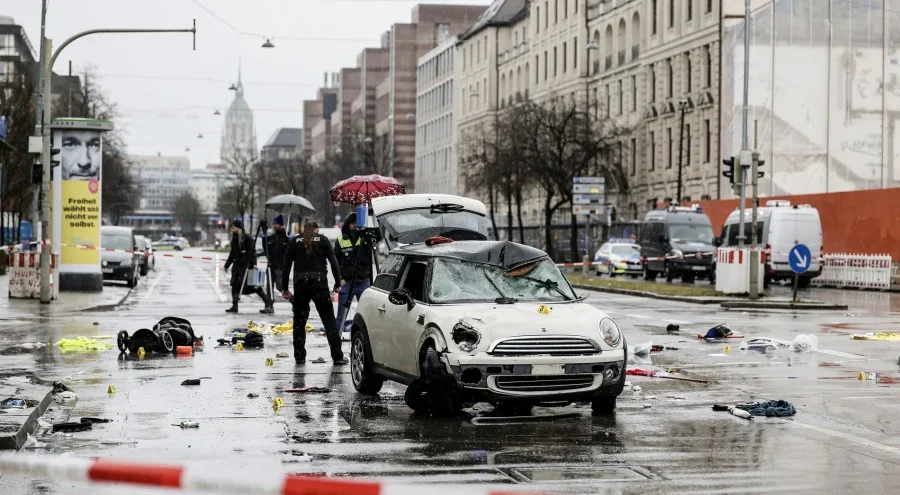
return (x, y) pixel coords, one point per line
(461, 281)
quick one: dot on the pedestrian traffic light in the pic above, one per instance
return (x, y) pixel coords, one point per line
(759, 163)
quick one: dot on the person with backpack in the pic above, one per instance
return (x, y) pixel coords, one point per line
(243, 257)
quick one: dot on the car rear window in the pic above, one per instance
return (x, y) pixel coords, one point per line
(116, 241)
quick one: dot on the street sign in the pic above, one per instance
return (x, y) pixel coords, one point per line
(589, 180)
(588, 188)
(800, 258)
(587, 199)
(588, 210)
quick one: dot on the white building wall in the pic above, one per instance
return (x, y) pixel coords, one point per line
(436, 163)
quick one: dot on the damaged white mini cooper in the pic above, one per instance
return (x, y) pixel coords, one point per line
(460, 319)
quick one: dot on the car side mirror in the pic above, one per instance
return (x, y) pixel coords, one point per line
(717, 241)
(400, 297)
(663, 239)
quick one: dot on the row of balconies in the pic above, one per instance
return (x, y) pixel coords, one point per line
(621, 59)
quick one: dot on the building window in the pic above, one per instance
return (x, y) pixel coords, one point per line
(687, 73)
(707, 141)
(443, 32)
(554, 61)
(653, 16)
(652, 151)
(709, 6)
(687, 146)
(651, 84)
(671, 13)
(690, 10)
(621, 98)
(485, 49)
(545, 65)
(537, 64)
(555, 11)
(633, 156)
(575, 50)
(566, 8)
(708, 66)
(671, 80)
(633, 93)
(478, 51)
(671, 147)
(537, 25)
(576, 6)
(565, 58)
(546, 15)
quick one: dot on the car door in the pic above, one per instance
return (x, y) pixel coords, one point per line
(374, 305)
(602, 256)
(405, 328)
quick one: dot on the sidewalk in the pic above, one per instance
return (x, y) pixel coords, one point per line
(68, 301)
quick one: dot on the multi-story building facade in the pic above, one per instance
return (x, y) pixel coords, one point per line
(436, 166)
(207, 185)
(160, 181)
(16, 51)
(317, 122)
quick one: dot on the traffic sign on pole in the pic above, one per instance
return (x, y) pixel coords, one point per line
(588, 189)
(799, 258)
(589, 180)
(588, 209)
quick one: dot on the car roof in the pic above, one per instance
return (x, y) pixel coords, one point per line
(500, 253)
(389, 204)
(111, 229)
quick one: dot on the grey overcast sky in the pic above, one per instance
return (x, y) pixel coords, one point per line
(167, 93)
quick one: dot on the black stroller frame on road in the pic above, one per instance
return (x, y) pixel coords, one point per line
(168, 334)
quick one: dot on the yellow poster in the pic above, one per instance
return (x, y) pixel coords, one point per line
(80, 221)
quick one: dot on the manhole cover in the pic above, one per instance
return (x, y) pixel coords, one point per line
(599, 473)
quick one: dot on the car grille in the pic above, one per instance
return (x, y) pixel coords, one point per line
(543, 383)
(554, 346)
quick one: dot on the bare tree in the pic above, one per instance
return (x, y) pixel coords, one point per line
(239, 197)
(187, 211)
(16, 104)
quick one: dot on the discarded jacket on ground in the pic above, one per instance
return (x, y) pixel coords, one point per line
(84, 344)
(772, 408)
(719, 332)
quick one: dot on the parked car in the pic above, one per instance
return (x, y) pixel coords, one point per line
(139, 247)
(678, 242)
(459, 319)
(780, 226)
(618, 257)
(124, 263)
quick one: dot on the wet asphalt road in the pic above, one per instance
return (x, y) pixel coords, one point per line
(844, 437)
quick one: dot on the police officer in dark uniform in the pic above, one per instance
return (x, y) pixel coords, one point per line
(308, 255)
(243, 257)
(277, 245)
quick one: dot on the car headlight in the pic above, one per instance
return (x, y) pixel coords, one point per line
(127, 262)
(610, 332)
(466, 337)
(677, 253)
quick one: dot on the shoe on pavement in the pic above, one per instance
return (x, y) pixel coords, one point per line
(232, 309)
(268, 311)
(341, 362)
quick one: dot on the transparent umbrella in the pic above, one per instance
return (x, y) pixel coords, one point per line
(287, 202)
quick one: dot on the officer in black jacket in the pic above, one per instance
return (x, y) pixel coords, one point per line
(277, 245)
(243, 257)
(308, 254)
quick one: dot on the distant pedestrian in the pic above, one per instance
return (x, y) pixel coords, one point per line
(354, 254)
(243, 257)
(308, 254)
(277, 245)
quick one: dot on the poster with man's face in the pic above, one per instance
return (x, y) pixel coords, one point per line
(80, 154)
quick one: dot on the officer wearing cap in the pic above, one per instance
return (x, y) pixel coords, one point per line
(277, 245)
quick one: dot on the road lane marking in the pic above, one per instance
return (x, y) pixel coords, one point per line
(639, 317)
(842, 354)
(852, 438)
(221, 296)
(678, 322)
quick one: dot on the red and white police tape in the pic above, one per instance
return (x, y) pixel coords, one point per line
(185, 478)
(669, 257)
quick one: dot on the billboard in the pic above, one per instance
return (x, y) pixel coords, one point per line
(76, 192)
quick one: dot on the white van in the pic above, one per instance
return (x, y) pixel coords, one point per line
(781, 226)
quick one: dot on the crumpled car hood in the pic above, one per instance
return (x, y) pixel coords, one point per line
(500, 321)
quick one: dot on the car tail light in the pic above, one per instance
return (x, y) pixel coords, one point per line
(768, 256)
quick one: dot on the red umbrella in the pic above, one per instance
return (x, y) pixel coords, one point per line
(360, 189)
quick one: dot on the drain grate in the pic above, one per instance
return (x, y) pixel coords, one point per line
(581, 473)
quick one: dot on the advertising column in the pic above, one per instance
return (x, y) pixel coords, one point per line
(76, 190)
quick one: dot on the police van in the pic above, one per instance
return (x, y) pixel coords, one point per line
(779, 227)
(678, 242)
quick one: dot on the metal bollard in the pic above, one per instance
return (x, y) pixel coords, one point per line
(585, 264)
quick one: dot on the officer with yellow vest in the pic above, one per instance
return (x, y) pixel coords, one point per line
(349, 246)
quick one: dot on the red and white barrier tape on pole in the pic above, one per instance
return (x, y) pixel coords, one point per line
(670, 257)
(71, 469)
(10, 247)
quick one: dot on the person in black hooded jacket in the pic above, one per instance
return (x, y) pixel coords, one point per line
(243, 258)
(349, 247)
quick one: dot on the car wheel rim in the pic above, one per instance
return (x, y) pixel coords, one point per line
(356, 361)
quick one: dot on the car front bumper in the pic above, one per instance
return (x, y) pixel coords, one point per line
(538, 378)
(118, 272)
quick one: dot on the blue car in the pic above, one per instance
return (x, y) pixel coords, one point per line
(618, 257)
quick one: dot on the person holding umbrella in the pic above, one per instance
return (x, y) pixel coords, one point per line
(277, 245)
(243, 257)
(308, 255)
(354, 254)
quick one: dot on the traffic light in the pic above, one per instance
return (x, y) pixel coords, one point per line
(759, 163)
(729, 169)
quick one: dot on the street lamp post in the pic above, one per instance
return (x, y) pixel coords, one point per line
(45, 98)
(682, 106)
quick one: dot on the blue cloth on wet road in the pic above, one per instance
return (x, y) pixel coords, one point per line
(772, 408)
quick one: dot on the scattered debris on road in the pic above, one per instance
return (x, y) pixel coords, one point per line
(308, 390)
(282, 355)
(187, 424)
(191, 381)
(85, 344)
(892, 336)
(719, 332)
(772, 408)
(252, 395)
(672, 328)
(15, 403)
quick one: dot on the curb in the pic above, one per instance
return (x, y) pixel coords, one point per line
(111, 306)
(784, 305)
(18, 439)
(651, 295)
